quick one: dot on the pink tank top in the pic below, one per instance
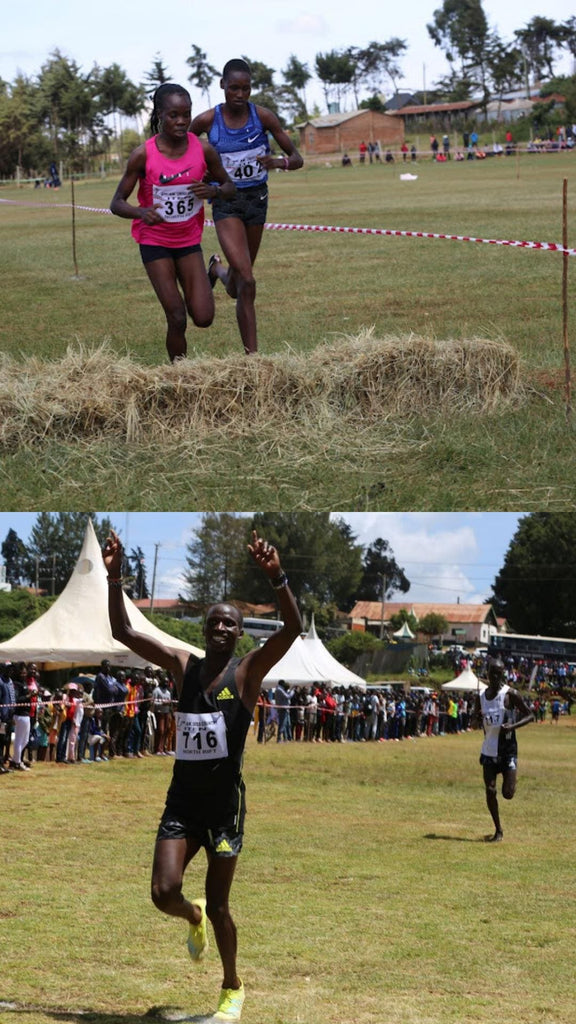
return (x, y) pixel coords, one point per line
(166, 183)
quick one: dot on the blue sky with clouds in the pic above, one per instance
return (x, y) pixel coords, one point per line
(446, 555)
(131, 35)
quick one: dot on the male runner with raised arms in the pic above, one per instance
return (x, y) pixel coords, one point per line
(205, 803)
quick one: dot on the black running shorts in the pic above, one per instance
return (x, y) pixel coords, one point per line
(250, 205)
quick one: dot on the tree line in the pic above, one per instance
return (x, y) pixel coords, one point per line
(64, 113)
(535, 589)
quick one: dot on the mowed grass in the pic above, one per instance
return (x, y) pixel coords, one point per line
(314, 287)
(365, 892)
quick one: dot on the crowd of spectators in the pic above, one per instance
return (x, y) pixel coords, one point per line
(131, 714)
(325, 714)
(330, 714)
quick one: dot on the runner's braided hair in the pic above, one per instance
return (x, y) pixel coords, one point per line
(158, 100)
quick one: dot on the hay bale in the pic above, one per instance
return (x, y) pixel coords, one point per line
(347, 382)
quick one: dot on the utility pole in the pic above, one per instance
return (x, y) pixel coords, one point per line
(156, 546)
(384, 585)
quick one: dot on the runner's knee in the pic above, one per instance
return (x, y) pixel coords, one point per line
(176, 317)
(165, 893)
(204, 320)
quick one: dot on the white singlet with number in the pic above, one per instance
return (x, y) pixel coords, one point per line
(243, 167)
(200, 737)
(177, 202)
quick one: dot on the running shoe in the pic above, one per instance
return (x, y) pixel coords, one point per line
(230, 1004)
(198, 936)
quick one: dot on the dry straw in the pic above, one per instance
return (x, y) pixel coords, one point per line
(347, 382)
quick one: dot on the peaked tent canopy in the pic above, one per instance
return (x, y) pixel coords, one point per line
(404, 633)
(466, 681)
(295, 667)
(75, 630)
(332, 670)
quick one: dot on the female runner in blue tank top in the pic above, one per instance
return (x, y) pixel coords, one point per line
(238, 130)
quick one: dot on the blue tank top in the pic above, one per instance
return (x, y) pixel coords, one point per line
(240, 148)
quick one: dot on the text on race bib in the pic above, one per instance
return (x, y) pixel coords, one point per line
(244, 166)
(201, 737)
(177, 202)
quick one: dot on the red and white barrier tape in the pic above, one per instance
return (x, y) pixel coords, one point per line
(332, 229)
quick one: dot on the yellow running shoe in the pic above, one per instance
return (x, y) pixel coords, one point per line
(198, 936)
(230, 1004)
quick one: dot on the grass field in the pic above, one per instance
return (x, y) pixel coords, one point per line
(312, 288)
(364, 892)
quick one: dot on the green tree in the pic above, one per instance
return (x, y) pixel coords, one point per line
(433, 624)
(348, 648)
(505, 65)
(540, 41)
(157, 75)
(18, 609)
(138, 588)
(566, 87)
(54, 545)
(213, 557)
(336, 70)
(21, 141)
(14, 558)
(569, 35)
(460, 29)
(379, 566)
(535, 589)
(398, 619)
(202, 73)
(66, 100)
(297, 75)
(117, 95)
(378, 62)
(319, 555)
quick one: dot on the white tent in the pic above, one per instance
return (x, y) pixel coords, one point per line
(466, 681)
(332, 670)
(75, 630)
(404, 633)
(295, 667)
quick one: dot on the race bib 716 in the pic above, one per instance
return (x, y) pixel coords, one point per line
(200, 737)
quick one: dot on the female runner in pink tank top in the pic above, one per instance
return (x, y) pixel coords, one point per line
(169, 170)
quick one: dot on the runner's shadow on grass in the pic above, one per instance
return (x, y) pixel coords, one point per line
(452, 839)
(156, 1015)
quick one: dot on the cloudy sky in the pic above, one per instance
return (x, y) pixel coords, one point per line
(445, 555)
(131, 35)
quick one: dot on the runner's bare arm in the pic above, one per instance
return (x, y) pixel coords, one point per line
(293, 159)
(216, 173)
(135, 168)
(202, 123)
(256, 664)
(520, 705)
(153, 651)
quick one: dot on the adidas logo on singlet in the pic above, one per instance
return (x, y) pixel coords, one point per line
(225, 694)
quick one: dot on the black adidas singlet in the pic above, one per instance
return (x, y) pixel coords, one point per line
(211, 731)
